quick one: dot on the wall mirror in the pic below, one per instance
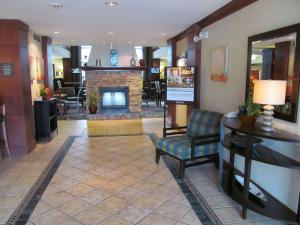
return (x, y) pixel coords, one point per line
(276, 55)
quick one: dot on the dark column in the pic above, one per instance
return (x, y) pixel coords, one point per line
(148, 57)
(47, 56)
(16, 88)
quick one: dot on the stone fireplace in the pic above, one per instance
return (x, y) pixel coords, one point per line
(119, 92)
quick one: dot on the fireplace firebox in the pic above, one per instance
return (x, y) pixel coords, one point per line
(114, 98)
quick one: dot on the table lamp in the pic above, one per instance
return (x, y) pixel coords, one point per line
(269, 93)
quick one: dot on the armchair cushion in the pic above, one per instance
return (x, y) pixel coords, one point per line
(203, 123)
(180, 147)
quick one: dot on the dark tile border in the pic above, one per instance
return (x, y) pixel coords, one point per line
(204, 212)
(24, 210)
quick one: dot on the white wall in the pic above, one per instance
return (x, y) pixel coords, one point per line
(102, 52)
(233, 31)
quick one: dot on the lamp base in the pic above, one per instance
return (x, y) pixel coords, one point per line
(268, 118)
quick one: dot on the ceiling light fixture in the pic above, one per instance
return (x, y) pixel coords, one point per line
(56, 5)
(129, 42)
(111, 3)
(111, 33)
(163, 34)
(56, 32)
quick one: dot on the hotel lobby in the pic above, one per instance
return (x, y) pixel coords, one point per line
(149, 112)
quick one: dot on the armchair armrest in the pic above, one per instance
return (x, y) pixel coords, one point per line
(179, 130)
(202, 140)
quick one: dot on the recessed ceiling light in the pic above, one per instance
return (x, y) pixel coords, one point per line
(111, 33)
(129, 42)
(56, 32)
(56, 5)
(163, 34)
(291, 37)
(73, 40)
(111, 3)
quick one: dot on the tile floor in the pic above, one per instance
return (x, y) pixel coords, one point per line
(110, 180)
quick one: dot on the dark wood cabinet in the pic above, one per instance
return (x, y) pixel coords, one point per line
(45, 115)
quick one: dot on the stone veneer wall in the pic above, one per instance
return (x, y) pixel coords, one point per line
(131, 79)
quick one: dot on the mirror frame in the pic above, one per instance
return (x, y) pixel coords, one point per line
(292, 117)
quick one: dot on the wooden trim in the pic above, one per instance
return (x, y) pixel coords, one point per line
(226, 10)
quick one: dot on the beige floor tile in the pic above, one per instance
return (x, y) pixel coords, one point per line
(173, 210)
(98, 182)
(157, 178)
(156, 219)
(71, 222)
(112, 204)
(141, 173)
(191, 218)
(58, 198)
(130, 194)
(94, 196)
(74, 207)
(220, 201)
(133, 213)
(127, 180)
(92, 216)
(150, 201)
(114, 221)
(145, 186)
(52, 217)
(5, 214)
(41, 208)
(80, 189)
(10, 201)
(113, 187)
(181, 199)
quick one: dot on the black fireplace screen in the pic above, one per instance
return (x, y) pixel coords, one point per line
(113, 98)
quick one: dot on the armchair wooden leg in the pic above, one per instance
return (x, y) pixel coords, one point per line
(157, 156)
(181, 168)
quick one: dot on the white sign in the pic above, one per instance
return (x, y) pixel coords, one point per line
(180, 84)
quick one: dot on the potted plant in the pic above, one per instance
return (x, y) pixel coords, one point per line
(93, 101)
(43, 93)
(249, 112)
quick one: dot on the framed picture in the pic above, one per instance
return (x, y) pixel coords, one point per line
(219, 64)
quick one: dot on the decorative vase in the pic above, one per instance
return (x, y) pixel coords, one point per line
(132, 61)
(93, 109)
(142, 62)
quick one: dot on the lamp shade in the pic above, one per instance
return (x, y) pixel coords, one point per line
(269, 92)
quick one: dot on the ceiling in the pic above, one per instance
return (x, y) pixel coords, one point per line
(88, 22)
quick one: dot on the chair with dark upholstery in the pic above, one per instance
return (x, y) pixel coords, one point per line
(199, 145)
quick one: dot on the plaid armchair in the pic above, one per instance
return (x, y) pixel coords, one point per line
(199, 142)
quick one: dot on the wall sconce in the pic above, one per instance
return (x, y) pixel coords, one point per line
(201, 36)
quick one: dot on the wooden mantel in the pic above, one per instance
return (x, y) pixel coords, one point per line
(116, 68)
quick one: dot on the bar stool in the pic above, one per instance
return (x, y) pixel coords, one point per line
(3, 127)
